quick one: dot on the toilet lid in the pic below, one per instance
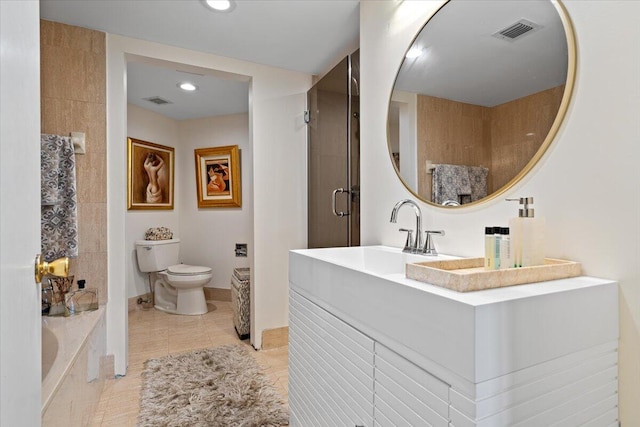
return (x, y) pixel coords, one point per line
(187, 270)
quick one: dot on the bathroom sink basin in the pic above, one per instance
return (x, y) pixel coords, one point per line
(377, 260)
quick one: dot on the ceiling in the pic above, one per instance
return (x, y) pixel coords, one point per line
(463, 61)
(300, 35)
(215, 96)
(312, 35)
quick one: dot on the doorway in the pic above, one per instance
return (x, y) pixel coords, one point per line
(214, 115)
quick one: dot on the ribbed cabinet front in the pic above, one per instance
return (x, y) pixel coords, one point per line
(331, 369)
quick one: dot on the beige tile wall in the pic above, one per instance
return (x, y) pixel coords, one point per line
(518, 129)
(73, 97)
(463, 129)
(503, 138)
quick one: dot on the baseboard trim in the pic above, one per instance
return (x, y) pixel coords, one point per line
(217, 294)
(274, 338)
(107, 366)
(210, 294)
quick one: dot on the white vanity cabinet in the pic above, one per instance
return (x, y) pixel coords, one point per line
(330, 369)
(340, 377)
(369, 347)
(406, 395)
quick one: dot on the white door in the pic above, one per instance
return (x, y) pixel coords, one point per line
(20, 324)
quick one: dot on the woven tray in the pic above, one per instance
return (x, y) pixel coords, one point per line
(468, 274)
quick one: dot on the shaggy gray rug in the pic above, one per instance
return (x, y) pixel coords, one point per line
(222, 386)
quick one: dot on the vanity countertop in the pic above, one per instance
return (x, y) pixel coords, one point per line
(463, 337)
(354, 257)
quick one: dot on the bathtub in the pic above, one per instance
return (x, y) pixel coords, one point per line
(73, 367)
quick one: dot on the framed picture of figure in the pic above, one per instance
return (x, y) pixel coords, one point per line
(218, 177)
(150, 179)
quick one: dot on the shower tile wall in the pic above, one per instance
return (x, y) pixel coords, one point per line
(466, 129)
(518, 128)
(503, 138)
(73, 99)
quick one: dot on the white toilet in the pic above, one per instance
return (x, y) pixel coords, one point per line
(178, 287)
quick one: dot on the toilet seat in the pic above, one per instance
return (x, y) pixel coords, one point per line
(187, 270)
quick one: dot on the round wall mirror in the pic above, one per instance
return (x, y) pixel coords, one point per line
(479, 97)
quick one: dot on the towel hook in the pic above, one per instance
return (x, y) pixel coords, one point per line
(79, 142)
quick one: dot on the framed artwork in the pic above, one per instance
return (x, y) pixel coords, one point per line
(149, 175)
(218, 177)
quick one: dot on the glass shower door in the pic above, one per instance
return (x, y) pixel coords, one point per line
(333, 163)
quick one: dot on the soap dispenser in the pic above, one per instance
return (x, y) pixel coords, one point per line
(527, 235)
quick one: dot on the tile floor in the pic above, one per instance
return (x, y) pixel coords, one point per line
(153, 334)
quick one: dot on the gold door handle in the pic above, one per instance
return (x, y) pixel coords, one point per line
(58, 268)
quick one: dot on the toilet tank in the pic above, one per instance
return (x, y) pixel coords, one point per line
(157, 255)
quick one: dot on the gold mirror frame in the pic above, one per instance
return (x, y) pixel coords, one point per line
(564, 105)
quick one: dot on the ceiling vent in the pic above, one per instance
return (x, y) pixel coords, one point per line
(518, 30)
(157, 100)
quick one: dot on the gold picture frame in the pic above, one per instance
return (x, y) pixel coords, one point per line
(218, 177)
(150, 175)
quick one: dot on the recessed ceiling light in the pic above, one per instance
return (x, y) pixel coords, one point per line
(189, 87)
(220, 5)
(414, 52)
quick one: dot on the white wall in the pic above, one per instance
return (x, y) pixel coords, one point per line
(587, 185)
(209, 235)
(408, 135)
(280, 193)
(151, 127)
(277, 99)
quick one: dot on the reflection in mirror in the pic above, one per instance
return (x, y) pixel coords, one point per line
(479, 97)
